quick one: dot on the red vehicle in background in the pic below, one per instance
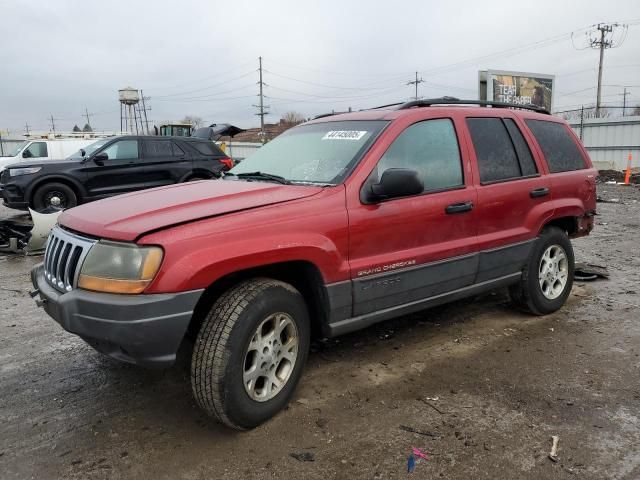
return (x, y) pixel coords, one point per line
(339, 223)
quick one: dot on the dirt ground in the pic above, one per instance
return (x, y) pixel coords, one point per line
(477, 385)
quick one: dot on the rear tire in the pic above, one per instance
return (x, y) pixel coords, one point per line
(54, 195)
(547, 278)
(250, 352)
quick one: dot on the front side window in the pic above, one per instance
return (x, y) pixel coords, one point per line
(430, 148)
(35, 150)
(316, 153)
(558, 146)
(122, 150)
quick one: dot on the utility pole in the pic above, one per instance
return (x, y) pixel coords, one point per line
(261, 106)
(26, 128)
(624, 101)
(602, 39)
(144, 108)
(53, 125)
(86, 115)
(416, 82)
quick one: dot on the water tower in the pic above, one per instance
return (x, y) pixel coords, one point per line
(129, 110)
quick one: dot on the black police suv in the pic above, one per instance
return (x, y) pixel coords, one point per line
(110, 166)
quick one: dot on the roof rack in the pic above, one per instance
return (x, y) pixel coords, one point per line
(322, 115)
(483, 103)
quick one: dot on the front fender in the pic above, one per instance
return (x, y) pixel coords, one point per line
(201, 268)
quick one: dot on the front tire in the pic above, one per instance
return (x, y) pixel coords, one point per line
(250, 352)
(54, 195)
(547, 278)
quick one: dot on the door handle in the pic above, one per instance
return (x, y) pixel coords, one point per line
(539, 192)
(459, 207)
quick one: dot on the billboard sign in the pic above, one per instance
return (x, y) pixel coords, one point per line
(517, 87)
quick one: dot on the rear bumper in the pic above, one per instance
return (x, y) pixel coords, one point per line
(142, 329)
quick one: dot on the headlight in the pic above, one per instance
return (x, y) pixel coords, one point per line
(115, 267)
(16, 172)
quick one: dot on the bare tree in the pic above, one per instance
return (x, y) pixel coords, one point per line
(193, 120)
(292, 118)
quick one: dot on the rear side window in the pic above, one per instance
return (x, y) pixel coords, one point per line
(177, 151)
(559, 148)
(158, 148)
(527, 164)
(431, 148)
(501, 150)
(207, 148)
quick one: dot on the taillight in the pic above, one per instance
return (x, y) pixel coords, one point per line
(227, 162)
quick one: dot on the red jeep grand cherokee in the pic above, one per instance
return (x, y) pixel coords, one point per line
(339, 223)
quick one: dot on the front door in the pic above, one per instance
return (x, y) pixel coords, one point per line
(121, 172)
(407, 249)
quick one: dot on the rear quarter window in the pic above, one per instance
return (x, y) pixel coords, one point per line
(207, 148)
(558, 146)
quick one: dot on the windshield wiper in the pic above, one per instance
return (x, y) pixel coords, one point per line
(262, 176)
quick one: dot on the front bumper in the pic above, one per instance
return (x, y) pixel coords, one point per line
(142, 329)
(12, 196)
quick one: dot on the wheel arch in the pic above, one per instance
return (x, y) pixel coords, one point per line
(568, 224)
(301, 274)
(71, 183)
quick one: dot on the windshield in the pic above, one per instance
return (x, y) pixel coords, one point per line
(317, 153)
(15, 150)
(89, 149)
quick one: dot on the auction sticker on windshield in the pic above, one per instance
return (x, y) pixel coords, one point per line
(344, 135)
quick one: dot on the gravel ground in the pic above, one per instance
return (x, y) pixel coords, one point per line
(482, 387)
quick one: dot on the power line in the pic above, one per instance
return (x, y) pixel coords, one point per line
(206, 88)
(210, 77)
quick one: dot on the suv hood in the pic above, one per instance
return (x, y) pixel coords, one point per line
(127, 217)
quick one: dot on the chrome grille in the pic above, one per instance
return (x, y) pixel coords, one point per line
(63, 258)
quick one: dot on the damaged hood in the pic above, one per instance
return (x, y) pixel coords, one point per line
(127, 217)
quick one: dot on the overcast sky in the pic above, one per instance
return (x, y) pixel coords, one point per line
(200, 58)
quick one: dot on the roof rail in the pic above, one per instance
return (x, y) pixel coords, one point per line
(322, 115)
(483, 103)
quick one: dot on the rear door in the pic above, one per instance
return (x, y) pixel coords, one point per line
(513, 192)
(122, 172)
(407, 249)
(166, 162)
(573, 180)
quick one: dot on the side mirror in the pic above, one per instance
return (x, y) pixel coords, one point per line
(396, 182)
(100, 158)
(26, 154)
